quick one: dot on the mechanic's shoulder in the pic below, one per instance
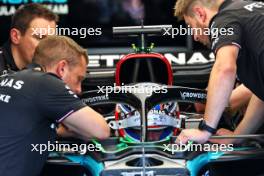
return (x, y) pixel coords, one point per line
(46, 76)
(40, 76)
(224, 16)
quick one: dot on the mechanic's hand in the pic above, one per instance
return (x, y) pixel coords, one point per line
(193, 135)
(224, 132)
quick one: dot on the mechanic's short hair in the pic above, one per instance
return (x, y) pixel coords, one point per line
(53, 49)
(25, 14)
(184, 7)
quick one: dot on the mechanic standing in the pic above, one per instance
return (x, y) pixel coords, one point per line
(29, 25)
(237, 40)
(32, 100)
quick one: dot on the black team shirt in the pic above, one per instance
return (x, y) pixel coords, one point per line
(244, 23)
(7, 62)
(30, 103)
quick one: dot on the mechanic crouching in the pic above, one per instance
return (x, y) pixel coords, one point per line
(33, 100)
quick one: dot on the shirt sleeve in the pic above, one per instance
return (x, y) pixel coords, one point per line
(55, 100)
(225, 30)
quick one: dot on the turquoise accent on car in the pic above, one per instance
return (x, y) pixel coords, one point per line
(88, 162)
(195, 165)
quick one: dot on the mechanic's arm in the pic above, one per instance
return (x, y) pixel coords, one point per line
(239, 98)
(65, 132)
(221, 83)
(87, 123)
(253, 118)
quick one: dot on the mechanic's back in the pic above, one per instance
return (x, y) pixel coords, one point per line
(22, 121)
(33, 101)
(246, 19)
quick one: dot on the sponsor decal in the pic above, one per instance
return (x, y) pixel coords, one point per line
(5, 98)
(96, 99)
(181, 59)
(254, 5)
(186, 95)
(12, 83)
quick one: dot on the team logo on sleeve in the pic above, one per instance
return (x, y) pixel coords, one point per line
(254, 5)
